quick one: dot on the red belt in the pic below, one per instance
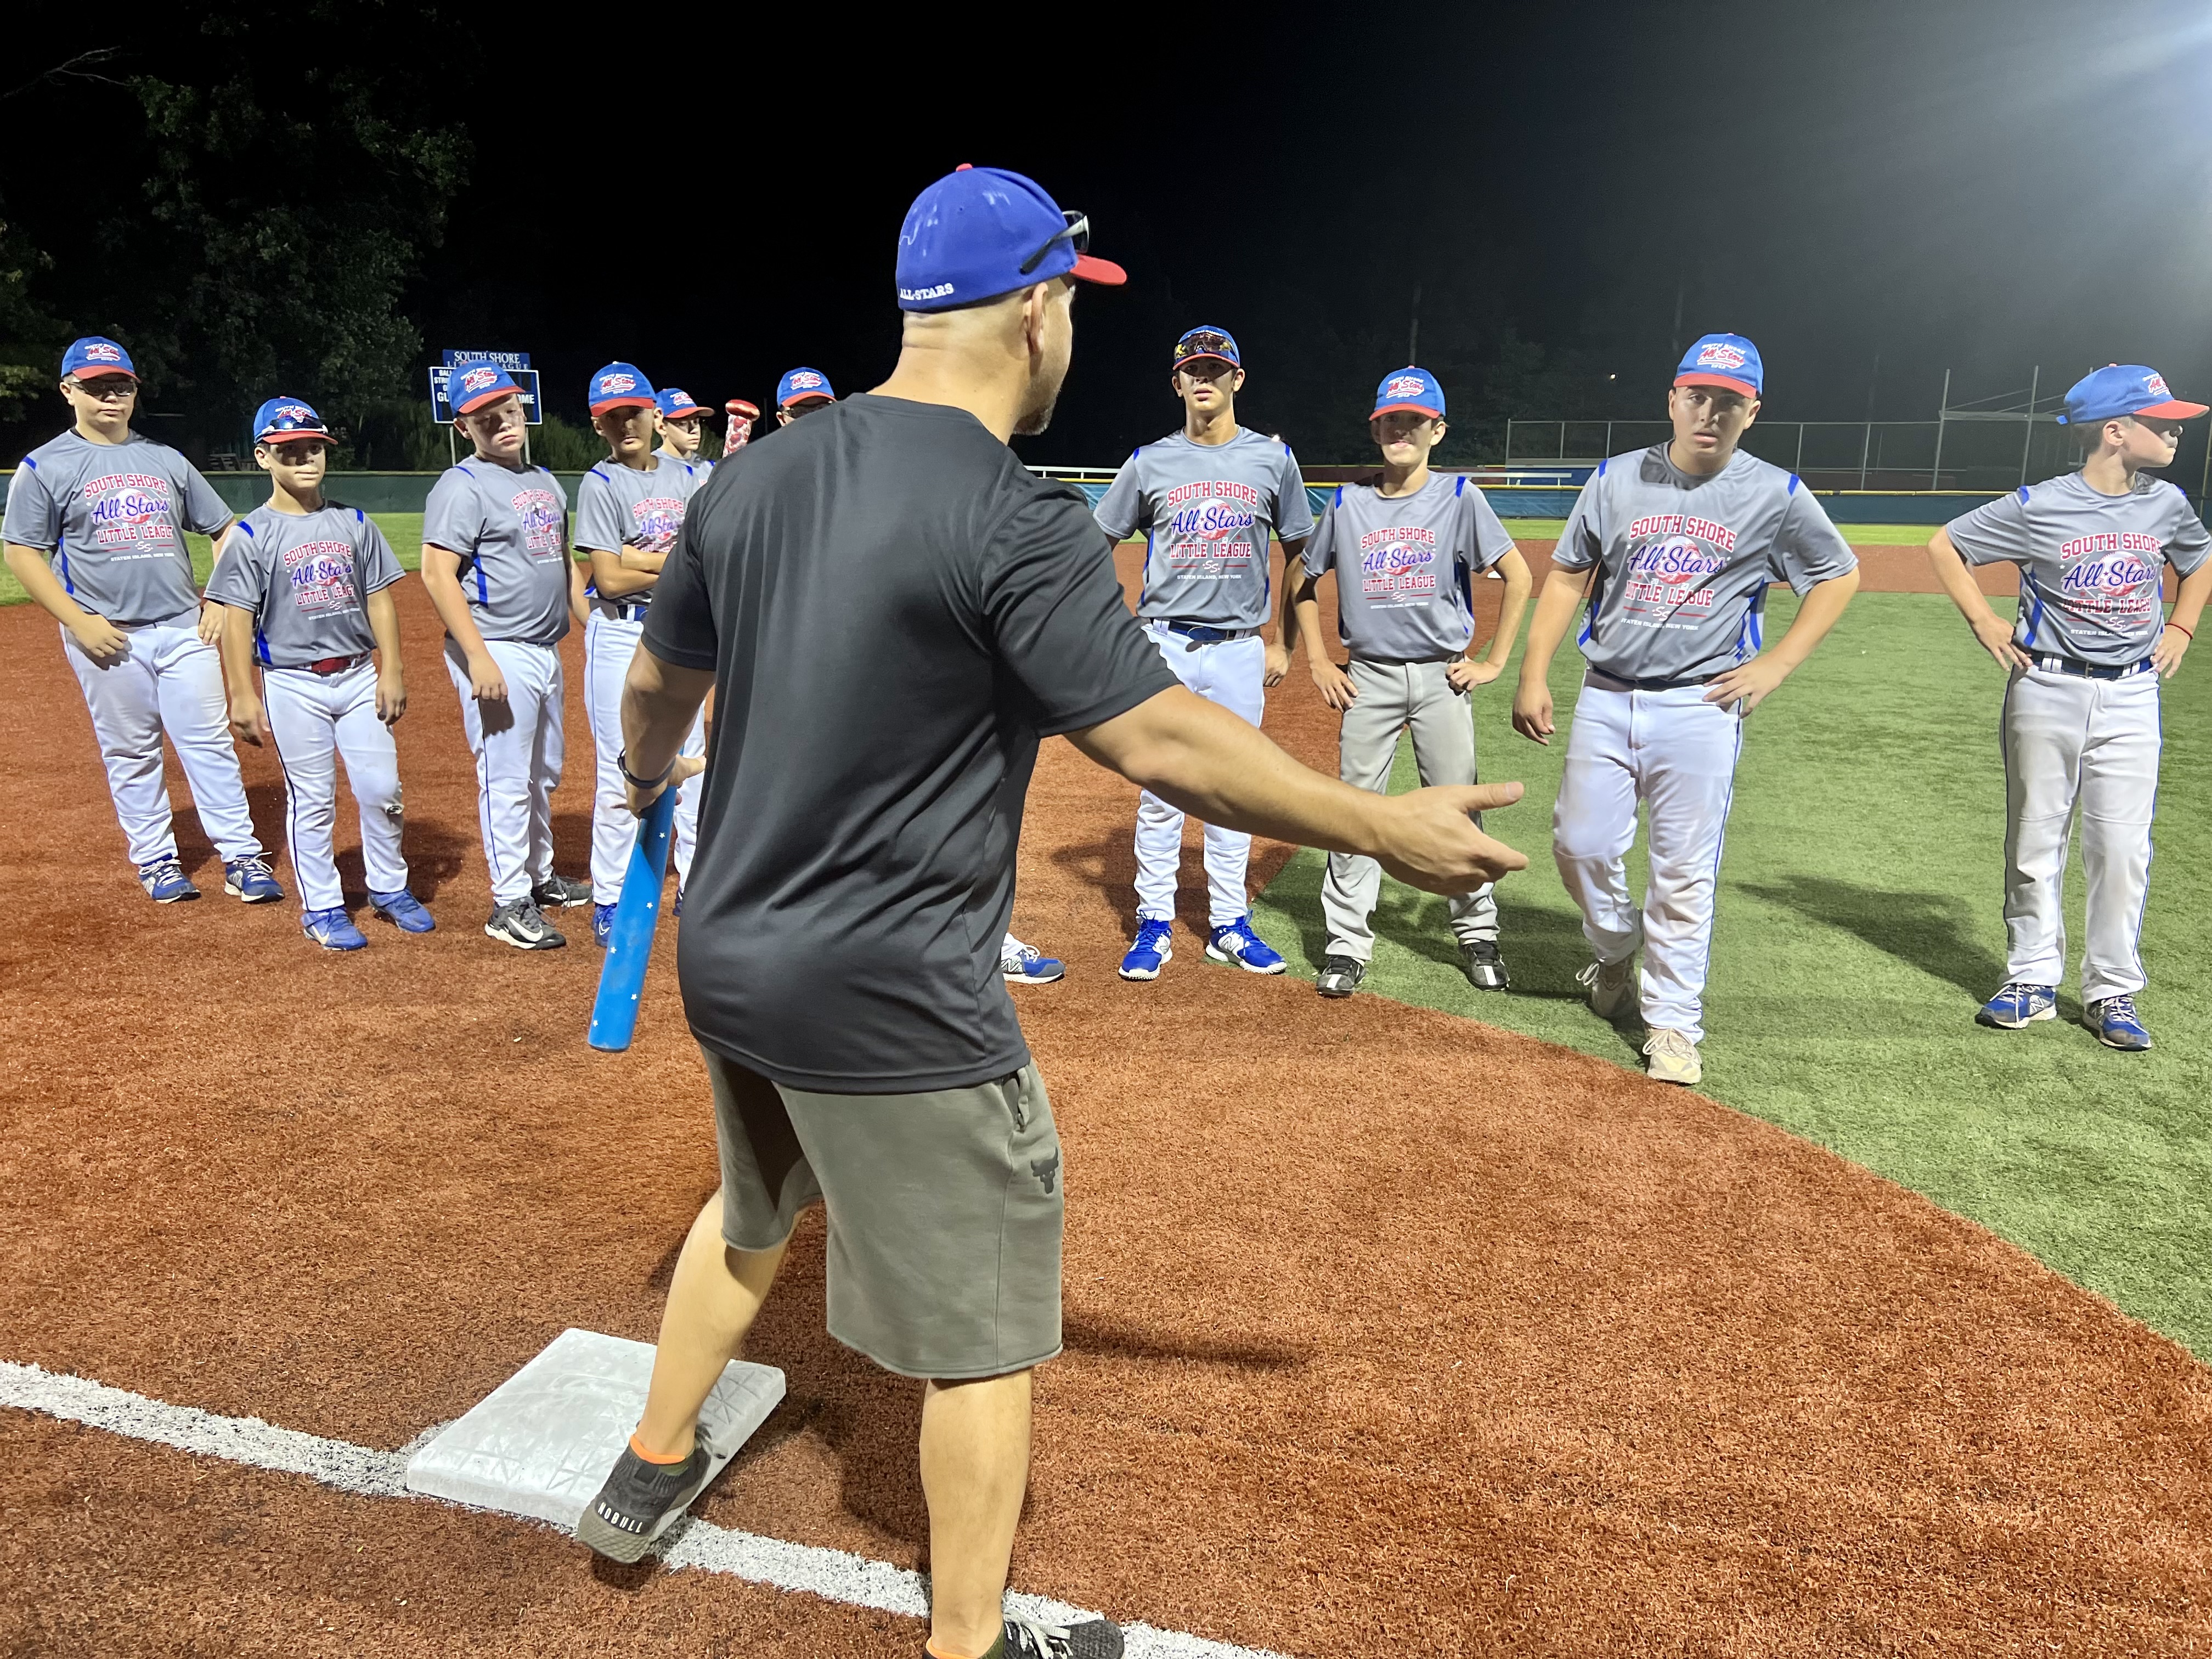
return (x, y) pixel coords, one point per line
(329, 666)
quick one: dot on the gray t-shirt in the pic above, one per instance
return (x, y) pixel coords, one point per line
(2091, 567)
(1207, 511)
(698, 464)
(619, 506)
(895, 610)
(307, 578)
(510, 530)
(1403, 566)
(1683, 563)
(112, 516)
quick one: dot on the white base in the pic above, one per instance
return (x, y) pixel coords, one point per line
(542, 1443)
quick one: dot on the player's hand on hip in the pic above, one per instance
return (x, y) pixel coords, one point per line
(687, 768)
(1747, 683)
(2165, 656)
(1334, 685)
(249, 721)
(99, 638)
(1995, 634)
(1430, 841)
(1278, 664)
(1464, 673)
(390, 697)
(486, 682)
(1532, 712)
(210, 623)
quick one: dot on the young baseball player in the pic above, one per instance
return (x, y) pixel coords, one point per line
(628, 508)
(110, 509)
(1404, 551)
(496, 565)
(307, 586)
(2081, 728)
(1207, 498)
(1674, 548)
(801, 392)
(677, 419)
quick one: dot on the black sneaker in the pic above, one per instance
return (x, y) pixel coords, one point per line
(560, 893)
(1341, 976)
(621, 1522)
(1485, 969)
(1094, 1638)
(518, 922)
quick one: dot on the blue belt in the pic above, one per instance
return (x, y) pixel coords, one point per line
(2093, 670)
(625, 610)
(1202, 632)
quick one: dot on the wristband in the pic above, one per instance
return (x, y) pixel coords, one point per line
(621, 765)
(2187, 633)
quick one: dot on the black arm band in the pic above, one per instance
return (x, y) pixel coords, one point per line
(621, 765)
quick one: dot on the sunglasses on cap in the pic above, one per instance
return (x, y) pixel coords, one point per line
(1076, 233)
(1205, 343)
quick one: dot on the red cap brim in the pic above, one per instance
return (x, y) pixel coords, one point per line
(2174, 409)
(1103, 272)
(622, 402)
(476, 404)
(1418, 408)
(1723, 381)
(687, 409)
(806, 397)
(273, 438)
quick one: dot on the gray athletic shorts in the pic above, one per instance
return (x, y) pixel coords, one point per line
(944, 1211)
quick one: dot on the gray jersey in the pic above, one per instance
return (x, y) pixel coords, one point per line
(1206, 511)
(619, 506)
(305, 577)
(509, 529)
(2091, 567)
(1403, 566)
(1683, 563)
(698, 464)
(112, 516)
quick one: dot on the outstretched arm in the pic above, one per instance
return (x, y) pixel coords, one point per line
(1222, 769)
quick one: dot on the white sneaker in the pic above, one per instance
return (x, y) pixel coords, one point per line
(1673, 1057)
(1612, 985)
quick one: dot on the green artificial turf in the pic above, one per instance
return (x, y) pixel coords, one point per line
(402, 530)
(1860, 924)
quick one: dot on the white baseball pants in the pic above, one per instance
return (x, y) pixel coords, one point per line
(1232, 674)
(1394, 695)
(2083, 747)
(517, 745)
(169, 682)
(609, 643)
(1675, 753)
(314, 718)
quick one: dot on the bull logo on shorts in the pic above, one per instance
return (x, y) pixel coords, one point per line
(1047, 1169)
(1720, 355)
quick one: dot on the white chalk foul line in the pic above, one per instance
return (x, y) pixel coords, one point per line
(833, 1575)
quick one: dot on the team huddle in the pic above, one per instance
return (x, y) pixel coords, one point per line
(1666, 561)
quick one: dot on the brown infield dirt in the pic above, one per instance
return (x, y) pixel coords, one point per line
(1387, 1331)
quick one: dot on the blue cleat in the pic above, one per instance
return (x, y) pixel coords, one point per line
(1151, 952)
(1024, 964)
(165, 882)
(332, 929)
(2117, 1024)
(602, 924)
(1237, 942)
(248, 879)
(403, 910)
(2019, 1004)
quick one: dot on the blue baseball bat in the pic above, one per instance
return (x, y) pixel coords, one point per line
(630, 942)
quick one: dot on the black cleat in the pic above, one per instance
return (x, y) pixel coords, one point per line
(1341, 976)
(1485, 969)
(561, 893)
(638, 1499)
(1093, 1638)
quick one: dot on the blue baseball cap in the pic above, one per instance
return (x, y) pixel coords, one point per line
(620, 385)
(1410, 388)
(286, 417)
(981, 232)
(472, 386)
(1728, 360)
(96, 354)
(797, 385)
(675, 404)
(2124, 389)
(1208, 340)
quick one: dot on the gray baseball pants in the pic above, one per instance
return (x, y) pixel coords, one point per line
(1394, 695)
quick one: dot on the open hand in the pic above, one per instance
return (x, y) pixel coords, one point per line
(1464, 674)
(1532, 712)
(2165, 656)
(1995, 634)
(1747, 683)
(486, 682)
(1430, 841)
(1334, 685)
(210, 623)
(99, 638)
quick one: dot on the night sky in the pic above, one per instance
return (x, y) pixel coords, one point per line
(1873, 192)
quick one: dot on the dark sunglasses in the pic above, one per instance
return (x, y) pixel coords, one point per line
(1208, 344)
(1076, 233)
